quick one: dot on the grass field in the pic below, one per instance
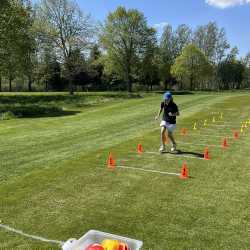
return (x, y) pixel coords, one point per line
(54, 181)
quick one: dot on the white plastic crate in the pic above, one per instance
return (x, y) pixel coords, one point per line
(94, 236)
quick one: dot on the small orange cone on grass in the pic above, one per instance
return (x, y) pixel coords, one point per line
(224, 143)
(111, 161)
(206, 154)
(184, 171)
(139, 149)
(184, 131)
(236, 135)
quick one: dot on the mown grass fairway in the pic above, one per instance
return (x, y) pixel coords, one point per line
(54, 181)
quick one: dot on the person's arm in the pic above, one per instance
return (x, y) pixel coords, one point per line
(174, 114)
(159, 113)
(177, 113)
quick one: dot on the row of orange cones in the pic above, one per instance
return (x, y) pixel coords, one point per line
(111, 160)
(184, 172)
(224, 145)
(183, 175)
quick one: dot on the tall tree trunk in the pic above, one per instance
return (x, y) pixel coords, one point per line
(191, 82)
(69, 71)
(10, 84)
(29, 84)
(128, 76)
(128, 81)
(129, 85)
(71, 87)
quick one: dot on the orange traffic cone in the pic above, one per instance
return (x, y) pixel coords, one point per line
(183, 131)
(139, 149)
(224, 144)
(111, 162)
(184, 171)
(206, 154)
(236, 135)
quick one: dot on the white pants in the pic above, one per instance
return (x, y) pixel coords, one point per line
(168, 126)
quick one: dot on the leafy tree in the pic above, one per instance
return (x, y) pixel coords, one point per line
(166, 54)
(246, 60)
(96, 68)
(171, 44)
(231, 71)
(95, 53)
(211, 41)
(64, 25)
(246, 63)
(16, 42)
(29, 46)
(10, 20)
(125, 37)
(182, 37)
(149, 70)
(191, 66)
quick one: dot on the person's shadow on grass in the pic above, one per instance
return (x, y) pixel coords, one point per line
(180, 152)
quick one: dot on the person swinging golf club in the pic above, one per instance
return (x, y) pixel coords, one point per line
(168, 123)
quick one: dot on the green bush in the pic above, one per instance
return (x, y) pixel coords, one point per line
(28, 110)
(7, 115)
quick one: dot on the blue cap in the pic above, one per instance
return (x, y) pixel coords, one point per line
(167, 96)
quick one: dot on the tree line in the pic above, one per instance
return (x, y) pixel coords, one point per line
(55, 46)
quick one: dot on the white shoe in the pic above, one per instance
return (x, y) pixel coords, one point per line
(162, 148)
(173, 149)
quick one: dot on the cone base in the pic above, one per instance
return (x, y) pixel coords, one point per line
(111, 167)
(183, 177)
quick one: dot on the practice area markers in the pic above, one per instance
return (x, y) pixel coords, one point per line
(149, 170)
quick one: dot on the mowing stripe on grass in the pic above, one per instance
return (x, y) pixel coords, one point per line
(212, 136)
(198, 144)
(35, 237)
(148, 170)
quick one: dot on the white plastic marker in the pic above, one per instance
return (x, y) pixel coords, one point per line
(148, 170)
(10, 229)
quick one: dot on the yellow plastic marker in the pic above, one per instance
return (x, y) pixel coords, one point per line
(194, 128)
(241, 129)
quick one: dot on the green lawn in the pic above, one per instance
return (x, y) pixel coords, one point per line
(54, 181)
